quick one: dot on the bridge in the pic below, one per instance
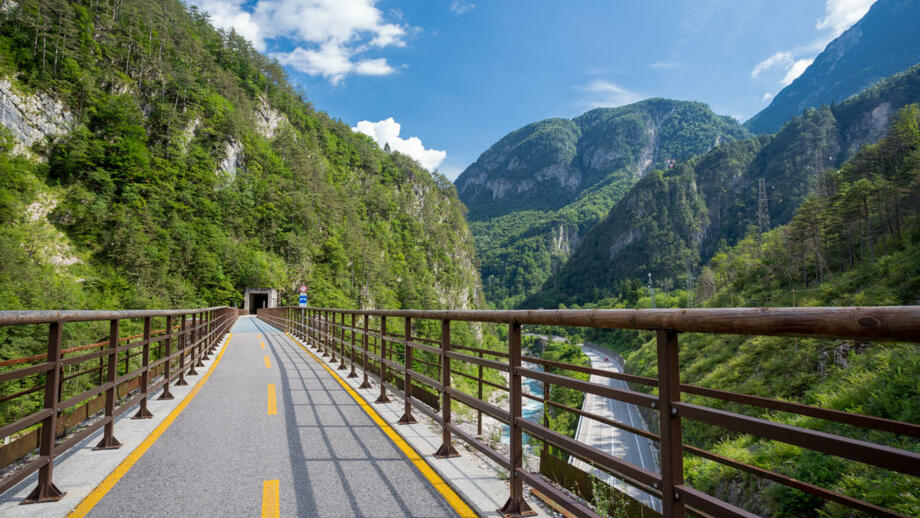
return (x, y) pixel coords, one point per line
(334, 412)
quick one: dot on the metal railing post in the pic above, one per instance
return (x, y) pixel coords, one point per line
(109, 442)
(46, 491)
(446, 449)
(166, 374)
(142, 412)
(516, 505)
(407, 417)
(325, 337)
(672, 464)
(191, 358)
(479, 396)
(354, 320)
(382, 398)
(183, 335)
(365, 383)
(342, 365)
(200, 339)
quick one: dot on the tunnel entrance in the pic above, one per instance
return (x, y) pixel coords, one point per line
(257, 298)
(257, 301)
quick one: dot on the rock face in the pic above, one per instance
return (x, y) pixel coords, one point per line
(233, 159)
(31, 118)
(268, 119)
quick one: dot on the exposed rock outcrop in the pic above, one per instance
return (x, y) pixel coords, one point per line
(31, 118)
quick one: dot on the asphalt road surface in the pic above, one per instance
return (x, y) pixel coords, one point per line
(226, 454)
(625, 445)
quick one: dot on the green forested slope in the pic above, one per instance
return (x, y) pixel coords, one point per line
(191, 169)
(535, 194)
(855, 243)
(672, 222)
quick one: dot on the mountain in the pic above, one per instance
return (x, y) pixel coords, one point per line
(673, 221)
(536, 192)
(855, 243)
(884, 42)
(150, 160)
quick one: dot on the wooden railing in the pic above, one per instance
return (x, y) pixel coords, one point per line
(175, 351)
(364, 338)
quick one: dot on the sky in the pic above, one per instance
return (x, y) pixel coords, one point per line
(442, 80)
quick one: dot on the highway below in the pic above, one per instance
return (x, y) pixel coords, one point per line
(625, 445)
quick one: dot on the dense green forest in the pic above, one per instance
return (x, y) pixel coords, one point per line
(537, 192)
(856, 241)
(192, 169)
(673, 221)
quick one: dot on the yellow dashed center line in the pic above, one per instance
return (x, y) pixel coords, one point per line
(433, 478)
(270, 499)
(268, 363)
(272, 406)
(262, 344)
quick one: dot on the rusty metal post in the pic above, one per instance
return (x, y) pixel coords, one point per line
(516, 505)
(332, 336)
(142, 412)
(191, 359)
(354, 328)
(672, 460)
(209, 338)
(546, 446)
(109, 442)
(182, 342)
(342, 365)
(169, 332)
(200, 339)
(382, 398)
(314, 337)
(365, 384)
(479, 396)
(407, 417)
(447, 449)
(325, 337)
(46, 491)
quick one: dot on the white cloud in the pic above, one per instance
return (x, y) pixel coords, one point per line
(461, 7)
(766, 97)
(608, 93)
(781, 58)
(839, 15)
(331, 37)
(387, 132)
(796, 70)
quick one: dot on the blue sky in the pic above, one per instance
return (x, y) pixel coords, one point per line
(442, 80)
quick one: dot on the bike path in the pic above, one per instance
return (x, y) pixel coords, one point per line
(228, 454)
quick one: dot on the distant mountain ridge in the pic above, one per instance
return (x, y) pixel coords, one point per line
(884, 42)
(548, 164)
(534, 194)
(676, 220)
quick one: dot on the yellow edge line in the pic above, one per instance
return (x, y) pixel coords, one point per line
(442, 487)
(109, 482)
